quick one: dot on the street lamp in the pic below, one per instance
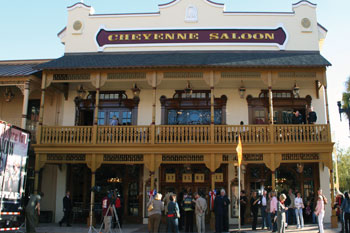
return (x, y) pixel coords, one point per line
(345, 110)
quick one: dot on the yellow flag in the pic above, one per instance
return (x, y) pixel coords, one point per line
(239, 151)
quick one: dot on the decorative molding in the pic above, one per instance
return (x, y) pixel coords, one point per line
(301, 156)
(191, 14)
(297, 74)
(123, 157)
(66, 157)
(70, 77)
(199, 177)
(187, 178)
(240, 75)
(183, 75)
(182, 158)
(246, 157)
(126, 76)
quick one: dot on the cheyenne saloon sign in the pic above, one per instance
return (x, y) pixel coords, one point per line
(159, 37)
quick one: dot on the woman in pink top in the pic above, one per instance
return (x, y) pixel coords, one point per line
(319, 211)
(273, 210)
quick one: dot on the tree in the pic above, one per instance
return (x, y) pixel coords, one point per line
(346, 100)
(343, 169)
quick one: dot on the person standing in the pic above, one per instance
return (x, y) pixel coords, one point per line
(225, 214)
(297, 118)
(67, 209)
(173, 214)
(200, 209)
(254, 207)
(268, 213)
(263, 201)
(273, 210)
(32, 208)
(243, 201)
(155, 213)
(281, 214)
(338, 202)
(189, 210)
(107, 212)
(219, 213)
(119, 209)
(312, 116)
(291, 211)
(345, 207)
(299, 206)
(319, 212)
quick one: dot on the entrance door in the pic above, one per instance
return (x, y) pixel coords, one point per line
(86, 117)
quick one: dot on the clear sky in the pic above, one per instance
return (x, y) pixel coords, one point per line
(29, 31)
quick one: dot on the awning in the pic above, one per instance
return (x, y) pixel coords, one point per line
(229, 59)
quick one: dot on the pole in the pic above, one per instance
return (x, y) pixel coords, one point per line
(239, 197)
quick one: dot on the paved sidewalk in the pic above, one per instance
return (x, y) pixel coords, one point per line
(138, 228)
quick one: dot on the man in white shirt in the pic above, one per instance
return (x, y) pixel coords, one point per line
(263, 203)
(200, 209)
(299, 205)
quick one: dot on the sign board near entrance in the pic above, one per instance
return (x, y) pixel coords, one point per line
(191, 36)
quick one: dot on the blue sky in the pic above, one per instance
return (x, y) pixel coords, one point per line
(28, 30)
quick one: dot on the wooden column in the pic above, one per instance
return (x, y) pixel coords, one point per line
(42, 104)
(154, 105)
(152, 171)
(36, 170)
(212, 110)
(25, 104)
(93, 183)
(97, 103)
(334, 218)
(273, 181)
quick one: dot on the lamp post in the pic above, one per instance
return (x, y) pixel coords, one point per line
(344, 109)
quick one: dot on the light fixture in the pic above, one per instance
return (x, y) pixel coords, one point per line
(242, 90)
(296, 90)
(8, 95)
(300, 168)
(82, 93)
(188, 89)
(135, 91)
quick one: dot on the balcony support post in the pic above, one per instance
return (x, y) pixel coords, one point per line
(42, 104)
(25, 104)
(97, 103)
(154, 104)
(38, 165)
(212, 112)
(269, 80)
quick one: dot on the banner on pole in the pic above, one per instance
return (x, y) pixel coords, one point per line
(239, 151)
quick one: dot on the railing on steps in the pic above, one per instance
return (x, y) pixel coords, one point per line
(185, 134)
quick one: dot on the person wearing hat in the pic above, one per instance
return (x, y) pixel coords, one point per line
(319, 212)
(281, 214)
(155, 213)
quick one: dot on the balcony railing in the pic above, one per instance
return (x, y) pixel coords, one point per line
(185, 134)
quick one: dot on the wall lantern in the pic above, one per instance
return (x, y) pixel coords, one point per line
(242, 90)
(188, 89)
(8, 95)
(300, 168)
(296, 90)
(135, 91)
(81, 92)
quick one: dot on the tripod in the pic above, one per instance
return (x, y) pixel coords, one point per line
(116, 218)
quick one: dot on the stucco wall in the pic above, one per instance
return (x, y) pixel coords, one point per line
(325, 186)
(209, 16)
(48, 187)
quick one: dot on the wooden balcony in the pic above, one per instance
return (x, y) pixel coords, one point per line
(184, 134)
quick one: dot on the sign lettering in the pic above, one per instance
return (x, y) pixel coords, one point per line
(109, 38)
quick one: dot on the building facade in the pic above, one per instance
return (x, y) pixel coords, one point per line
(156, 100)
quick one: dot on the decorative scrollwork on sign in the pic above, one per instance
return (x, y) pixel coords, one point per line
(189, 158)
(311, 156)
(71, 77)
(246, 157)
(66, 157)
(123, 158)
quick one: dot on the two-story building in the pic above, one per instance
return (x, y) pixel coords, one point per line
(159, 99)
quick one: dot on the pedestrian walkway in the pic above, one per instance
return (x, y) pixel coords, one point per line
(138, 228)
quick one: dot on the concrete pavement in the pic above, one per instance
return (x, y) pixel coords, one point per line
(138, 228)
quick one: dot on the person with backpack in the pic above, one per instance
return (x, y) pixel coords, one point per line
(345, 208)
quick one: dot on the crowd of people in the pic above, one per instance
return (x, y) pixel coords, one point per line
(181, 210)
(342, 206)
(278, 211)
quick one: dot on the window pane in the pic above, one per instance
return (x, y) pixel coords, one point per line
(102, 96)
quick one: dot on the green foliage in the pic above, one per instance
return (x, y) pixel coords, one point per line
(344, 169)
